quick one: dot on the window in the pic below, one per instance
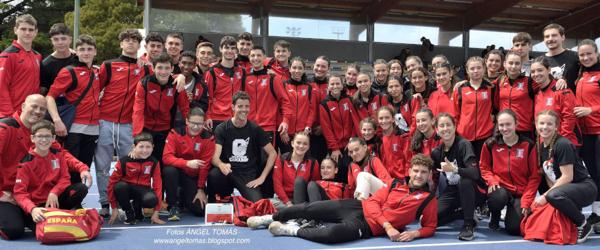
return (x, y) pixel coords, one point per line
(410, 34)
(197, 22)
(309, 28)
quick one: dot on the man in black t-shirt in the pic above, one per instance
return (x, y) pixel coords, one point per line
(61, 38)
(564, 63)
(237, 154)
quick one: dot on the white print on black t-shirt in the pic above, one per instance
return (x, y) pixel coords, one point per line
(558, 71)
(239, 149)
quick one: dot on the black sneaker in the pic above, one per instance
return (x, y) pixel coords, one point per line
(129, 217)
(467, 232)
(174, 214)
(593, 219)
(105, 211)
(494, 221)
(583, 232)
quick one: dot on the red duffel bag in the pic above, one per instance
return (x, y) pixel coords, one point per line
(547, 224)
(62, 226)
(244, 209)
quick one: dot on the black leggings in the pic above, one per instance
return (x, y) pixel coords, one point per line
(501, 198)
(591, 157)
(318, 147)
(477, 146)
(223, 185)
(308, 192)
(570, 198)
(176, 180)
(82, 147)
(142, 196)
(13, 219)
(345, 218)
(463, 195)
(158, 138)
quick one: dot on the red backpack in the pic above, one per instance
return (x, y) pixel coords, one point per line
(63, 226)
(244, 209)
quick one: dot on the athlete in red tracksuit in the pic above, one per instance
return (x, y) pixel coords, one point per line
(222, 83)
(19, 77)
(562, 102)
(154, 109)
(512, 174)
(388, 211)
(286, 174)
(369, 164)
(364, 109)
(137, 179)
(181, 153)
(474, 109)
(335, 116)
(518, 95)
(303, 99)
(394, 154)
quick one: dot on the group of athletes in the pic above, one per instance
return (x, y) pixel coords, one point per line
(369, 152)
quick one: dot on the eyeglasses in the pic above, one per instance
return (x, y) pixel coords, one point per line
(44, 137)
(197, 124)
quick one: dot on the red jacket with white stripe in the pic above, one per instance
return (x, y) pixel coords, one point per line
(120, 77)
(517, 95)
(336, 121)
(87, 111)
(474, 110)
(268, 100)
(588, 95)
(285, 174)
(19, 77)
(180, 147)
(374, 166)
(399, 207)
(221, 87)
(562, 102)
(514, 168)
(141, 172)
(303, 100)
(155, 105)
(38, 176)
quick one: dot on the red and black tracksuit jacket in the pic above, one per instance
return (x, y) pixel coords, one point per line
(39, 176)
(19, 77)
(393, 154)
(140, 172)
(280, 71)
(244, 62)
(199, 95)
(285, 174)
(319, 85)
(15, 142)
(474, 110)
(303, 100)
(440, 101)
(408, 108)
(120, 77)
(155, 105)
(336, 121)
(268, 100)
(398, 206)
(180, 147)
(588, 95)
(72, 86)
(514, 168)
(373, 166)
(222, 83)
(562, 102)
(333, 189)
(517, 95)
(364, 109)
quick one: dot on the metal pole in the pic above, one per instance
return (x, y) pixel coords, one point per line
(76, 22)
(147, 7)
(465, 43)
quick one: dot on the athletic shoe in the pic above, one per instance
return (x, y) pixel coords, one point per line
(594, 220)
(129, 217)
(256, 222)
(174, 214)
(466, 233)
(583, 232)
(104, 212)
(597, 228)
(494, 221)
(279, 229)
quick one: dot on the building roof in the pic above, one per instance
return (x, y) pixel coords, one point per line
(579, 17)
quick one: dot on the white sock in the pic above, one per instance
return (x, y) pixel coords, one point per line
(596, 207)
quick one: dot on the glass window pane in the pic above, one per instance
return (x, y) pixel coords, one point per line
(309, 28)
(410, 34)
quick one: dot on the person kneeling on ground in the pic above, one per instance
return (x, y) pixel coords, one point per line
(388, 211)
(43, 179)
(136, 177)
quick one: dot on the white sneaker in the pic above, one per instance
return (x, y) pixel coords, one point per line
(279, 229)
(256, 222)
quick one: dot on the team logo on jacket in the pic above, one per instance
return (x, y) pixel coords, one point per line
(484, 95)
(263, 82)
(304, 92)
(549, 101)
(197, 147)
(238, 75)
(374, 106)
(499, 150)
(592, 79)
(418, 196)
(55, 164)
(395, 147)
(520, 152)
(239, 148)
(82, 73)
(119, 69)
(302, 167)
(169, 92)
(136, 72)
(147, 169)
(345, 105)
(520, 86)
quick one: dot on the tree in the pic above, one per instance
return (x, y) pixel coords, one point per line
(104, 20)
